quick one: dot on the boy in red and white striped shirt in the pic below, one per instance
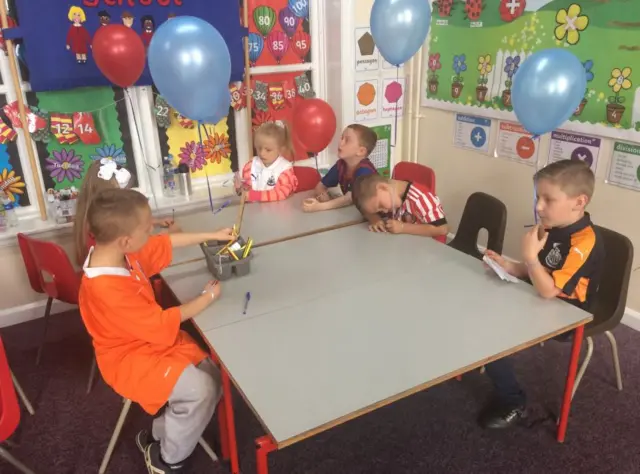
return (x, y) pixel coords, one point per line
(411, 208)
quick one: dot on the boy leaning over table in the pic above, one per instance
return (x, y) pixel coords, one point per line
(563, 256)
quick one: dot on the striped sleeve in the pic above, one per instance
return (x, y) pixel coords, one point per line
(425, 206)
(285, 187)
(246, 172)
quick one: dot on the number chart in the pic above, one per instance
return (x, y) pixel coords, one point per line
(279, 32)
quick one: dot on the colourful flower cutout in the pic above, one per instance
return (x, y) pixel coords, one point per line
(620, 79)
(111, 152)
(511, 9)
(217, 147)
(65, 164)
(588, 66)
(434, 62)
(511, 65)
(484, 64)
(192, 154)
(11, 184)
(570, 24)
(459, 64)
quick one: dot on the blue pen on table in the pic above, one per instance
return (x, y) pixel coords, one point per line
(224, 204)
(247, 297)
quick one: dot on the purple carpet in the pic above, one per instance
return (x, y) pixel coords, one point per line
(431, 432)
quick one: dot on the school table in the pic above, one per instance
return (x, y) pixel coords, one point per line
(266, 223)
(348, 331)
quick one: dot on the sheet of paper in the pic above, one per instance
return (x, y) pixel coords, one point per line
(501, 272)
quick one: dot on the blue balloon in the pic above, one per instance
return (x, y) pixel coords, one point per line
(220, 109)
(400, 27)
(547, 89)
(190, 65)
(300, 8)
(256, 45)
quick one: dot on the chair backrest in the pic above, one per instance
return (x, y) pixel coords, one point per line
(51, 260)
(407, 171)
(9, 408)
(29, 264)
(481, 211)
(611, 300)
(308, 178)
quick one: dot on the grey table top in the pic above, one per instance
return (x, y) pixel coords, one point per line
(343, 322)
(265, 222)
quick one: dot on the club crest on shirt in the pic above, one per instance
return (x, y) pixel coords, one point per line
(554, 257)
(271, 181)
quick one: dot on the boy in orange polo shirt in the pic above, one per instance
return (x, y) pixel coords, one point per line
(141, 351)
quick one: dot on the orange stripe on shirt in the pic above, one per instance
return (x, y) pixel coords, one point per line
(285, 187)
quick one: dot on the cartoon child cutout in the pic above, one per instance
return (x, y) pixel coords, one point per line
(148, 26)
(104, 17)
(78, 38)
(127, 19)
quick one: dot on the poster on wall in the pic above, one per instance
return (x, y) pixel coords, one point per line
(12, 181)
(392, 97)
(366, 100)
(366, 56)
(514, 143)
(381, 154)
(476, 48)
(472, 132)
(624, 169)
(279, 32)
(57, 35)
(573, 146)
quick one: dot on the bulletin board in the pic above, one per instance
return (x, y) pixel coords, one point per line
(53, 38)
(476, 47)
(279, 32)
(381, 154)
(11, 172)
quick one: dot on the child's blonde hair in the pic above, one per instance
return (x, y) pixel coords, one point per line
(78, 10)
(91, 186)
(280, 132)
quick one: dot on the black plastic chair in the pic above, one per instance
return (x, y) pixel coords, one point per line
(481, 211)
(611, 299)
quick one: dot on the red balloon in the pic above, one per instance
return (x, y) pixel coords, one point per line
(314, 124)
(119, 54)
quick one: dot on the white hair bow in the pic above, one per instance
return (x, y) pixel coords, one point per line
(109, 169)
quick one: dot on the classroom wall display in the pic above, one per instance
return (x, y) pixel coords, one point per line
(57, 35)
(279, 32)
(64, 157)
(514, 143)
(477, 46)
(366, 56)
(366, 100)
(392, 97)
(574, 146)
(381, 154)
(274, 98)
(472, 132)
(624, 169)
(11, 173)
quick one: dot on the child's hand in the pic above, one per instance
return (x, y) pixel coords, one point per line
(310, 205)
(394, 226)
(533, 242)
(165, 222)
(323, 197)
(174, 228)
(378, 226)
(499, 259)
(213, 288)
(223, 234)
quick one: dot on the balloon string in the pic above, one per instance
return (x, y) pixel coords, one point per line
(395, 126)
(144, 158)
(200, 126)
(535, 203)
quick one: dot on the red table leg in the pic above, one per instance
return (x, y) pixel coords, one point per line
(230, 422)
(222, 428)
(568, 387)
(264, 446)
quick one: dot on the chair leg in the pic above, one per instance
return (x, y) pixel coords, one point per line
(22, 395)
(483, 369)
(114, 436)
(583, 367)
(92, 374)
(207, 449)
(47, 313)
(13, 461)
(616, 360)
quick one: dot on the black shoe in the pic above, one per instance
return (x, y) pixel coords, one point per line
(500, 415)
(155, 463)
(144, 439)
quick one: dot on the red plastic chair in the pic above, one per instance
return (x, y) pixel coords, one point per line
(308, 178)
(406, 171)
(50, 271)
(9, 410)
